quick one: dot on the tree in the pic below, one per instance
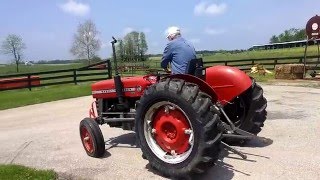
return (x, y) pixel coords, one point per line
(143, 46)
(292, 34)
(120, 50)
(133, 47)
(129, 48)
(274, 39)
(14, 45)
(86, 43)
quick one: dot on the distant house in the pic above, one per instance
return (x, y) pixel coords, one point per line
(28, 63)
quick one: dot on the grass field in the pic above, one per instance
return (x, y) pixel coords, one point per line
(11, 68)
(290, 52)
(18, 172)
(23, 97)
(256, 54)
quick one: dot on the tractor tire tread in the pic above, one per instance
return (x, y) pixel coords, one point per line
(98, 139)
(208, 148)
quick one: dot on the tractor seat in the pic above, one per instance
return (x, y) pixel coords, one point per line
(195, 68)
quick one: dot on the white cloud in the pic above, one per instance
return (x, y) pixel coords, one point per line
(75, 8)
(212, 31)
(195, 40)
(211, 9)
(127, 30)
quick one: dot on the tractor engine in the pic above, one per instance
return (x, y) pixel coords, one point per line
(108, 108)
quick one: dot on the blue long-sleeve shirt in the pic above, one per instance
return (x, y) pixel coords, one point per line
(179, 52)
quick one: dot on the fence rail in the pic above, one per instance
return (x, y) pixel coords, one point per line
(103, 70)
(49, 78)
(270, 63)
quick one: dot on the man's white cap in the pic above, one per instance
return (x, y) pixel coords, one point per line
(173, 30)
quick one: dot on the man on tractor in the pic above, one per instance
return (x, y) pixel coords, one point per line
(178, 52)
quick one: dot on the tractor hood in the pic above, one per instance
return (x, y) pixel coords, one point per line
(132, 87)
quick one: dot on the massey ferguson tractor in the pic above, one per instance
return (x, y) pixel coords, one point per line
(181, 121)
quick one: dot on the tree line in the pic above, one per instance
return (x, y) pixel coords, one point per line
(292, 34)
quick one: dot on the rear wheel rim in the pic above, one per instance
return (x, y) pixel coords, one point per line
(168, 132)
(87, 140)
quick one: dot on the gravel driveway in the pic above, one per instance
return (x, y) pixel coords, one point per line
(46, 136)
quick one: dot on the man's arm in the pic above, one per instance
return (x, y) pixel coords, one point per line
(166, 57)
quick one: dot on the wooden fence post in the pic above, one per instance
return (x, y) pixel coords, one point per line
(29, 82)
(275, 63)
(226, 63)
(300, 60)
(252, 62)
(75, 77)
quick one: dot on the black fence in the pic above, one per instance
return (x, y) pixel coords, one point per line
(268, 63)
(94, 72)
(103, 70)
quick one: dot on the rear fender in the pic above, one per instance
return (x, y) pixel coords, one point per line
(203, 86)
(228, 82)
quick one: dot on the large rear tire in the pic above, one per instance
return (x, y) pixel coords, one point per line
(259, 112)
(248, 111)
(178, 128)
(92, 138)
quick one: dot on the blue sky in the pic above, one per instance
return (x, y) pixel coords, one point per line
(47, 27)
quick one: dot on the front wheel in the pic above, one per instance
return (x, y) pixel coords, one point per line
(92, 138)
(177, 128)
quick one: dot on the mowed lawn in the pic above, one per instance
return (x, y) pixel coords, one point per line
(254, 54)
(23, 97)
(11, 68)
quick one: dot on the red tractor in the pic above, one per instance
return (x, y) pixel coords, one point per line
(181, 121)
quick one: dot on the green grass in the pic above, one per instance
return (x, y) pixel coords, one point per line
(18, 172)
(256, 54)
(23, 97)
(11, 68)
(290, 52)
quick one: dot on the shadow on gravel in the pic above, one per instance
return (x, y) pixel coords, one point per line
(225, 171)
(122, 141)
(220, 170)
(258, 142)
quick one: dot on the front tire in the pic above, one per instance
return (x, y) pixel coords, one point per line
(177, 128)
(92, 138)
